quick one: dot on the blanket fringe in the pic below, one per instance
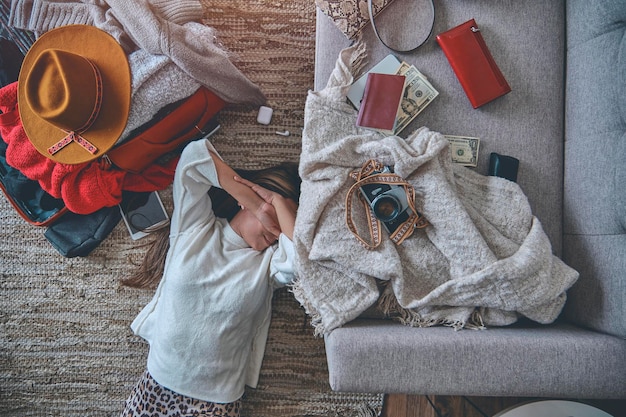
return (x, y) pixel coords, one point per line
(476, 321)
(389, 306)
(358, 60)
(316, 318)
(365, 410)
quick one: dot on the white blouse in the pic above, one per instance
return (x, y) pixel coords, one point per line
(208, 321)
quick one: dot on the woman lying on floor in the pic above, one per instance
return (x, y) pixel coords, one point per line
(208, 321)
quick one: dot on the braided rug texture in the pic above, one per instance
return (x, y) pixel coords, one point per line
(66, 348)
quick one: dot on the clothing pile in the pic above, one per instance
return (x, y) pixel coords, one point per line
(106, 97)
(483, 260)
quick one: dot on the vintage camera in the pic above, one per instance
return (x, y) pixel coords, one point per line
(388, 202)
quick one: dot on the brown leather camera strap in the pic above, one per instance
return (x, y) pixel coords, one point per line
(370, 174)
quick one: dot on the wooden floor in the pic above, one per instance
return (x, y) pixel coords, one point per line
(398, 405)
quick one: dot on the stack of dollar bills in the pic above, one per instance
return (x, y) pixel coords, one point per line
(418, 94)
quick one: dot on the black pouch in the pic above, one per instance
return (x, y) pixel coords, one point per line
(503, 166)
(32, 203)
(78, 235)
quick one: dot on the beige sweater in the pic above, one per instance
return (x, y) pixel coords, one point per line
(160, 27)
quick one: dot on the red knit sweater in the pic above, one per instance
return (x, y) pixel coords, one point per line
(85, 188)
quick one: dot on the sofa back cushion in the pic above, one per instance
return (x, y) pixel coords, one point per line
(594, 240)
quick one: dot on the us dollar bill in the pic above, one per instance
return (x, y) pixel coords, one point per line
(418, 94)
(464, 149)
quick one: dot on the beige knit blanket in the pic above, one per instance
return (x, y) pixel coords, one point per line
(485, 259)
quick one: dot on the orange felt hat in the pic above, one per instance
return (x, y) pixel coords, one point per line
(74, 93)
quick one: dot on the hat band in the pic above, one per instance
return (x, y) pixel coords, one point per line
(75, 135)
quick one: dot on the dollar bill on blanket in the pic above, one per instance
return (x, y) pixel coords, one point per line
(484, 261)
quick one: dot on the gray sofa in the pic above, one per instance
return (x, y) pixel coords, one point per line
(565, 120)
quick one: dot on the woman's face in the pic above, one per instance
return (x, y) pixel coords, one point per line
(252, 231)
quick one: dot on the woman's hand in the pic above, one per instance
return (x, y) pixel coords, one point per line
(266, 213)
(246, 197)
(284, 208)
(267, 195)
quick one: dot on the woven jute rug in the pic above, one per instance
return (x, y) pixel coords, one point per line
(66, 348)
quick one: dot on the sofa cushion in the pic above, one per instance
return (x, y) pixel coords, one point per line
(526, 40)
(523, 360)
(595, 174)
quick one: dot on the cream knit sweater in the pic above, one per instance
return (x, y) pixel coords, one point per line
(160, 27)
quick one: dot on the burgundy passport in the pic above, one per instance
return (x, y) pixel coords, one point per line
(473, 64)
(381, 100)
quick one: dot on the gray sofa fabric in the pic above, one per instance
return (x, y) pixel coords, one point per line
(521, 360)
(565, 121)
(594, 210)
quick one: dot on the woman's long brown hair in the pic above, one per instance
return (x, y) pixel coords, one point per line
(282, 179)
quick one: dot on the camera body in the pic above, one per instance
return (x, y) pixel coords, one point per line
(388, 202)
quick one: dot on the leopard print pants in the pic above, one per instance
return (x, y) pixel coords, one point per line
(151, 399)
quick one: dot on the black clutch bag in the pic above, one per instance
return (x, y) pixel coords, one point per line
(503, 166)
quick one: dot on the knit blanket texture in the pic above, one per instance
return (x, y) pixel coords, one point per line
(484, 260)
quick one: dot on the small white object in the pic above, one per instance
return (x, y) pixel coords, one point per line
(285, 133)
(265, 115)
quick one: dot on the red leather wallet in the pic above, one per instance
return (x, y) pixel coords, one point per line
(381, 101)
(473, 64)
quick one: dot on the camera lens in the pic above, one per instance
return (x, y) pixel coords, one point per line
(386, 208)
